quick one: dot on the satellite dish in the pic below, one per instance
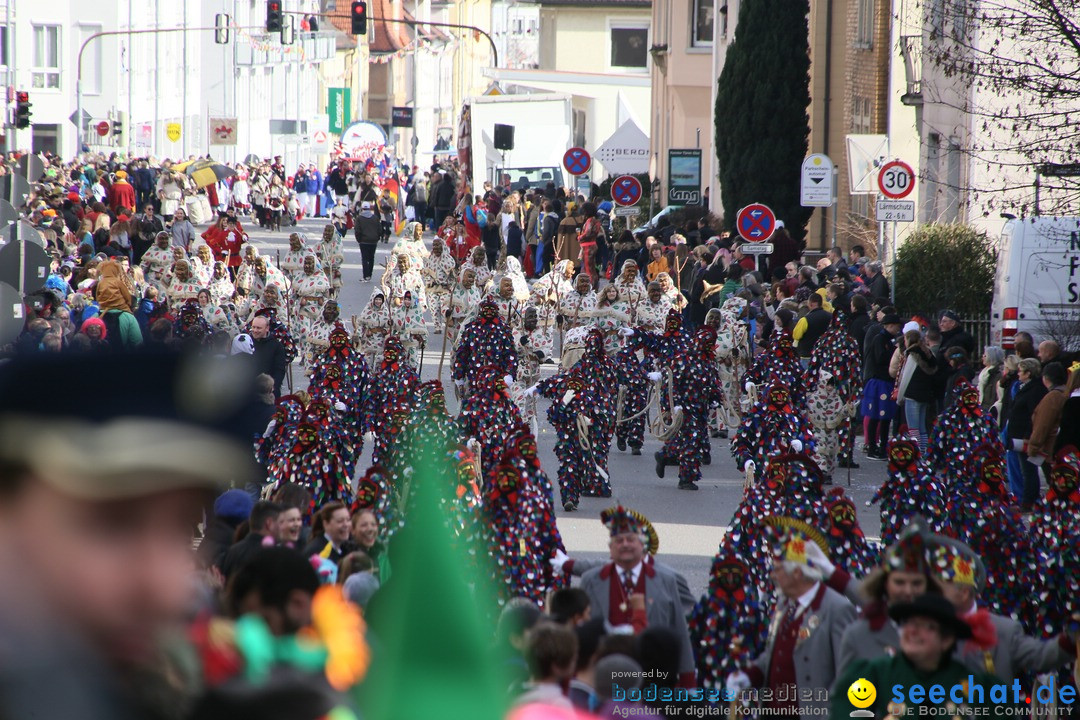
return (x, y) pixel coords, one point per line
(27, 261)
(15, 189)
(8, 216)
(12, 314)
(30, 167)
(21, 231)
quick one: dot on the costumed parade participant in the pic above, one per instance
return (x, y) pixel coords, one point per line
(609, 315)
(960, 429)
(728, 624)
(373, 327)
(910, 491)
(535, 345)
(310, 291)
(486, 341)
(570, 414)
(833, 382)
(650, 313)
(245, 274)
(183, 287)
(221, 287)
(477, 262)
(489, 415)
(629, 285)
(463, 301)
(267, 274)
(318, 454)
(695, 389)
(633, 399)
(439, 279)
(331, 254)
(779, 364)
(292, 264)
(732, 355)
(394, 384)
(847, 542)
(411, 243)
(403, 277)
(157, 260)
(340, 374)
(407, 323)
(774, 426)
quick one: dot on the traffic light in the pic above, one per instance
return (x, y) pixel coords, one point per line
(274, 16)
(359, 17)
(22, 109)
(118, 132)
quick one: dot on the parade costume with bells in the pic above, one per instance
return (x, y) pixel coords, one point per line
(833, 382)
(489, 415)
(571, 415)
(633, 399)
(395, 382)
(774, 426)
(696, 389)
(909, 491)
(486, 341)
(960, 429)
(728, 624)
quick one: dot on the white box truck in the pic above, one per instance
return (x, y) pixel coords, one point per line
(1037, 287)
(543, 125)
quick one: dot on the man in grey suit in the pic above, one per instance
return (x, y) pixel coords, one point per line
(631, 594)
(1010, 653)
(802, 652)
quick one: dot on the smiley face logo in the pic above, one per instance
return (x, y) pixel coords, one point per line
(862, 693)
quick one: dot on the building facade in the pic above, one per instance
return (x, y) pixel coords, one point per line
(682, 78)
(162, 86)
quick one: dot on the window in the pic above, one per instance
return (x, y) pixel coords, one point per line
(630, 47)
(3, 46)
(46, 70)
(702, 32)
(579, 127)
(92, 59)
(864, 25)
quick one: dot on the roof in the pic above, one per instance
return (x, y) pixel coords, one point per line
(598, 3)
(383, 37)
(387, 37)
(427, 32)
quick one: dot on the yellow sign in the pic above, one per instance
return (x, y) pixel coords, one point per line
(172, 131)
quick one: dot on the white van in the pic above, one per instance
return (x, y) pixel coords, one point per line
(1037, 288)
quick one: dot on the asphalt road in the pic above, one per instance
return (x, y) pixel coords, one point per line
(690, 524)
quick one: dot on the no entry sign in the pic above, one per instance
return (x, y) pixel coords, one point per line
(626, 190)
(577, 161)
(756, 222)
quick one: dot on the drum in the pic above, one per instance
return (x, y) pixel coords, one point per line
(571, 353)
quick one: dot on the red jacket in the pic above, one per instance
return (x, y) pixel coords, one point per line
(226, 244)
(121, 195)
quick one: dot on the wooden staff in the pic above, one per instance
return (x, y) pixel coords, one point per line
(446, 326)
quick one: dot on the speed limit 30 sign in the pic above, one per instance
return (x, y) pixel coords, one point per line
(896, 179)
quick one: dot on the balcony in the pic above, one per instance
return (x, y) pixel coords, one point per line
(911, 51)
(318, 46)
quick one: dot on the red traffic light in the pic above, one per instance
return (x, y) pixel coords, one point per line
(359, 17)
(274, 6)
(22, 96)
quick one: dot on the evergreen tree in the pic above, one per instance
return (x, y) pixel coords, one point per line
(762, 126)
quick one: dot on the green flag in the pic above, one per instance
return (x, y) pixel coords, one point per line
(432, 650)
